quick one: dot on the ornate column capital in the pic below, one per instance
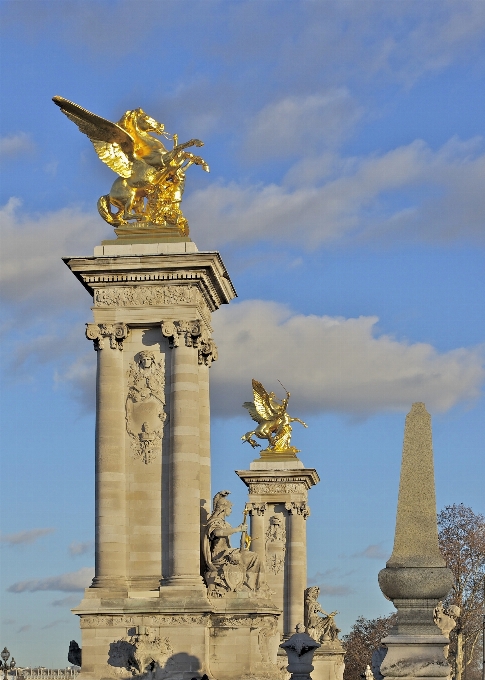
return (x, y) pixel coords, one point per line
(300, 508)
(193, 334)
(115, 332)
(256, 508)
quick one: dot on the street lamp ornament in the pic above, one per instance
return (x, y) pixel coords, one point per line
(145, 198)
(4, 665)
(274, 423)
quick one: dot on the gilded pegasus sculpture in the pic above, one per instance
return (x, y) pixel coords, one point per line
(274, 423)
(145, 198)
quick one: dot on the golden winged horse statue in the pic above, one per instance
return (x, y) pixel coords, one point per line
(151, 181)
(274, 423)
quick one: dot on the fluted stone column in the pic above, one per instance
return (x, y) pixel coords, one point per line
(204, 443)
(416, 577)
(297, 565)
(185, 462)
(110, 530)
(256, 512)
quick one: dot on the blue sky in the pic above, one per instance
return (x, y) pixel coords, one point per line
(346, 195)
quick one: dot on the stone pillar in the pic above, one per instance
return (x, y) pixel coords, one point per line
(415, 577)
(256, 512)
(184, 511)
(296, 565)
(278, 492)
(204, 443)
(110, 529)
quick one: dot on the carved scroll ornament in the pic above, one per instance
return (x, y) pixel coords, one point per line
(298, 509)
(99, 333)
(192, 334)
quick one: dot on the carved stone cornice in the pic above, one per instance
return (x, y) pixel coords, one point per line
(114, 332)
(205, 270)
(298, 509)
(279, 483)
(192, 334)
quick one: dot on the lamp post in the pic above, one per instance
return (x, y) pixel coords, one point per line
(4, 665)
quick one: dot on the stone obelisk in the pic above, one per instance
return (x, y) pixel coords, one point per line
(416, 577)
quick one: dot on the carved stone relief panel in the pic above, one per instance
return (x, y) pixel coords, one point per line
(153, 296)
(140, 653)
(275, 544)
(277, 488)
(145, 401)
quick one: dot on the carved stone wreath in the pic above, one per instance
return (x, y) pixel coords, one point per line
(145, 415)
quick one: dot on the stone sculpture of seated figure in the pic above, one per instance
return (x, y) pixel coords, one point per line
(320, 625)
(230, 569)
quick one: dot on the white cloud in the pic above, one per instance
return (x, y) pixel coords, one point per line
(24, 629)
(25, 537)
(81, 548)
(295, 125)
(69, 582)
(373, 552)
(68, 601)
(333, 363)
(31, 269)
(54, 623)
(15, 144)
(410, 193)
(327, 589)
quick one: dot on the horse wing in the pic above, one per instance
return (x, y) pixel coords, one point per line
(114, 146)
(261, 402)
(253, 412)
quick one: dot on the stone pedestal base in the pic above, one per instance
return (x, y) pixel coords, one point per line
(160, 636)
(328, 662)
(415, 656)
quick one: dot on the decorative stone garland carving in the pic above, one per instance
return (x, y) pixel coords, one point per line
(194, 335)
(243, 621)
(176, 620)
(140, 653)
(275, 544)
(152, 620)
(145, 416)
(207, 289)
(277, 487)
(116, 333)
(152, 295)
(298, 509)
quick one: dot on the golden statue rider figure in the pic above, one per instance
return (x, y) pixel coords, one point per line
(145, 198)
(274, 423)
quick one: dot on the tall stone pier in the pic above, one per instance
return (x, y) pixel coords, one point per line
(148, 606)
(416, 577)
(278, 505)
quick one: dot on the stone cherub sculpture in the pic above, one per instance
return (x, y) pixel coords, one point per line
(151, 178)
(320, 628)
(230, 569)
(274, 423)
